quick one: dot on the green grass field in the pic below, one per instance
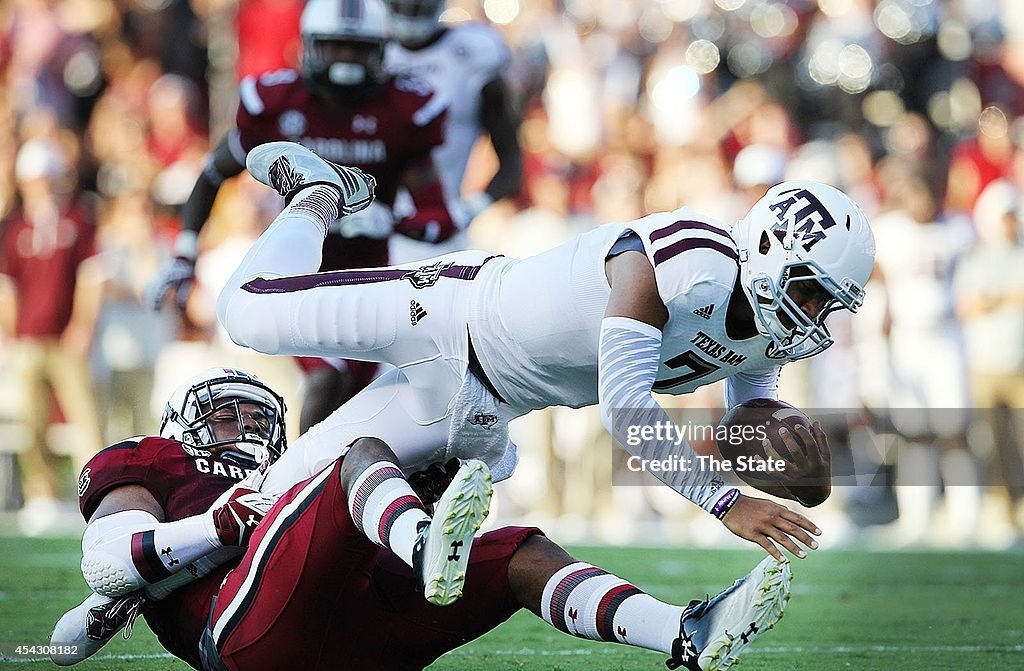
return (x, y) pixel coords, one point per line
(850, 610)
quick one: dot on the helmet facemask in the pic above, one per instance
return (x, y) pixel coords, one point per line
(795, 334)
(343, 47)
(234, 416)
(343, 67)
(414, 22)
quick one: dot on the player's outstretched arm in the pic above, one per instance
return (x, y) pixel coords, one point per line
(127, 546)
(175, 278)
(629, 356)
(502, 124)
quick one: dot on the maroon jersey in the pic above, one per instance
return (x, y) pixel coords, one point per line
(383, 134)
(43, 260)
(185, 481)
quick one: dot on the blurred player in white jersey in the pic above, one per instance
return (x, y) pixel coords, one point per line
(928, 386)
(465, 63)
(666, 303)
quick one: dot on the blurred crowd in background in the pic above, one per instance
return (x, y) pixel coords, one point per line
(914, 107)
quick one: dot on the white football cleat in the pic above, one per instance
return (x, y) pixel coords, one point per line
(441, 553)
(288, 167)
(713, 632)
(91, 624)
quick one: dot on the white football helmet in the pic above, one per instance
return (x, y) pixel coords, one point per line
(186, 416)
(414, 22)
(803, 241)
(327, 23)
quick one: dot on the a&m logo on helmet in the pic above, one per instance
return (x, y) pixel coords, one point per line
(800, 210)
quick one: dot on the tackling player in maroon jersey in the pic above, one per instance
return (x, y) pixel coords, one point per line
(325, 576)
(344, 106)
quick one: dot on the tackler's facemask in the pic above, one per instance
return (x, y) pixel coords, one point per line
(343, 47)
(229, 413)
(806, 250)
(415, 22)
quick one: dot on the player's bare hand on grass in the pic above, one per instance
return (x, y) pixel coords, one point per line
(766, 523)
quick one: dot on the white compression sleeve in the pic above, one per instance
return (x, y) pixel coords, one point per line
(629, 355)
(130, 550)
(201, 568)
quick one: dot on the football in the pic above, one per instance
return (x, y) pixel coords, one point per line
(740, 437)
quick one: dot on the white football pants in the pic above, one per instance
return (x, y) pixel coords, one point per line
(413, 318)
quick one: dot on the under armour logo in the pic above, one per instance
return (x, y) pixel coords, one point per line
(748, 635)
(454, 556)
(171, 561)
(683, 651)
(252, 521)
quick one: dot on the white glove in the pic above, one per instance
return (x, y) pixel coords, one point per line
(376, 221)
(175, 276)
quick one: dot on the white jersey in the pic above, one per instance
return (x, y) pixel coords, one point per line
(536, 322)
(918, 262)
(457, 65)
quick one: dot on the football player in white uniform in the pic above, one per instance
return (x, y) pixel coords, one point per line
(666, 303)
(463, 62)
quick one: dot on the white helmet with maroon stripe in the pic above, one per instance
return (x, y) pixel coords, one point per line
(230, 411)
(803, 242)
(343, 44)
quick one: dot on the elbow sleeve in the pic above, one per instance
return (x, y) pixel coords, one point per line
(629, 353)
(106, 553)
(629, 356)
(130, 550)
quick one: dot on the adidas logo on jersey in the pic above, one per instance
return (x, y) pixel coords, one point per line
(705, 312)
(416, 312)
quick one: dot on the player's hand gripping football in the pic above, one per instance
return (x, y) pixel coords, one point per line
(808, 470)
(237, 518)
(766, 523)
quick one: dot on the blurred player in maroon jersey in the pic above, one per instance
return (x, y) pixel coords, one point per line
(343, 105)
(325, 575)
